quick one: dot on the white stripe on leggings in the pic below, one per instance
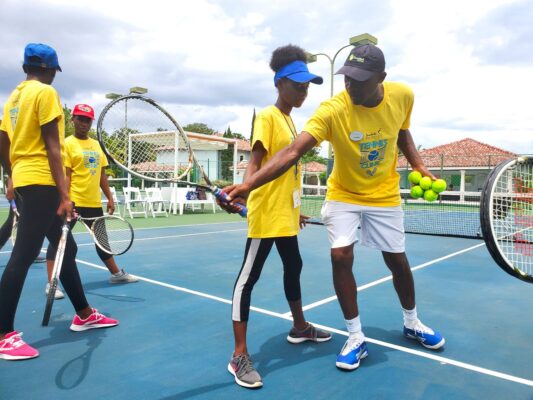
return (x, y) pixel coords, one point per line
(243, 278)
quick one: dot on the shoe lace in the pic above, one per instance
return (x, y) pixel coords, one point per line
(420, 327)
(15, 341)
(245, 363)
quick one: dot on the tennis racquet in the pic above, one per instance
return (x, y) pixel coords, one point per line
(56, 271)
(143, 139)
(16, 217)
(506, 214)
(110, 233)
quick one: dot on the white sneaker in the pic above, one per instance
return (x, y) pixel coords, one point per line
(122, 277)
(59, 293)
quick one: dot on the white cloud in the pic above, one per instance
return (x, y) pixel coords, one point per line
(208, 60)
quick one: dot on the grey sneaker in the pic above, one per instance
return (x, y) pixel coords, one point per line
(242, 369)
(122, 277)
(59, 293)
(310, 333)
(39, 260)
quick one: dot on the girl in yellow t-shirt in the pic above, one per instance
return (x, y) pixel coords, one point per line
(85, 163)
(274, 213)
(31, 152)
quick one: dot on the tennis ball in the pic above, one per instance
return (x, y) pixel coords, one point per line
(414, 177)
(439, 186)
(416, 192)
(425, 183)
(430, 195)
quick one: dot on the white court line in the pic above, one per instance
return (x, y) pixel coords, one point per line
(388, 278)
(170, 236)
(429, 356)
(171, 226)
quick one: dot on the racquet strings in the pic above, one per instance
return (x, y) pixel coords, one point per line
(112, 234)
(142, 138)
(512, 216)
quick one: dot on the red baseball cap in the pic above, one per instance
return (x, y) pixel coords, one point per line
(83, 110)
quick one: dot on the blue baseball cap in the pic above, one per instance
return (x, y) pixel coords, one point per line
(297, 71)
(47, 56)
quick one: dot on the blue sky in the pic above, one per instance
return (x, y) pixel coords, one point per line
(469, 62)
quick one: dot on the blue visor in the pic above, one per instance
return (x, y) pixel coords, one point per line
(297, 71)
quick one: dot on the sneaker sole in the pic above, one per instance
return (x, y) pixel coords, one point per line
(78, 328)
(431, 347)
(241, 383)
(124, 281)
(292, 340)
(7, 357)
(351, 367)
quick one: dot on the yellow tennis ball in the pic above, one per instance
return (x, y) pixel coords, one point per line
(430, 195)
(414, 177)
(425, 183)
(416, 192)
(439, 186)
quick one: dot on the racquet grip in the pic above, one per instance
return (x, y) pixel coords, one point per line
(223, 197)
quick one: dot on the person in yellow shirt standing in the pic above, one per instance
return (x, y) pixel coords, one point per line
(31, 151)
(366, 124)
(85, 164)
(277, 201)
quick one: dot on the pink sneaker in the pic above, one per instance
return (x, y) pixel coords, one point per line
(12, 347)
(94, 321)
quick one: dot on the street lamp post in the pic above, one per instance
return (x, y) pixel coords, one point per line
(114, 96)
(358, 40)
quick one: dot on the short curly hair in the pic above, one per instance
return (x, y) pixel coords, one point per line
(285, 55)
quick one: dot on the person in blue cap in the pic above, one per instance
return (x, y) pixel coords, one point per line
(279, 201)
(31, 151)
(367, 123)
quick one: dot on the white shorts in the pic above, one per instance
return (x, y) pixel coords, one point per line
(381, 227)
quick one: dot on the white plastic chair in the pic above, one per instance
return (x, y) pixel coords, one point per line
(156, 204)
(135, 204)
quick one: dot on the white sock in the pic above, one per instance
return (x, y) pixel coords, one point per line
(410, 317)
(354, 328)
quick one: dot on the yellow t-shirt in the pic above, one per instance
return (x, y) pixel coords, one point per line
(86, 159)
(31, 105)
(365, 145)
(271, 211)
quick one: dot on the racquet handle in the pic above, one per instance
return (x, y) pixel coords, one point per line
(219, 194)
(13, 205)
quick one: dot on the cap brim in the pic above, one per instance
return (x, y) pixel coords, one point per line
(354, 73)
(303, 77)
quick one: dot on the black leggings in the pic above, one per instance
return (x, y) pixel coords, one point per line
(255, 255)
(85, 212)
(38, 220)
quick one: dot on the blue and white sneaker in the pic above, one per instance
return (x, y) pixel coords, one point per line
(426, 336)
(353, 351)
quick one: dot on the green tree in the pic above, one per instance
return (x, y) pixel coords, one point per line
(199, 127)
(69, 125)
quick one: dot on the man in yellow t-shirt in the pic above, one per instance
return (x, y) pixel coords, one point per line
(274, 213)
(31, 152)
(367, 124)
(85, 164)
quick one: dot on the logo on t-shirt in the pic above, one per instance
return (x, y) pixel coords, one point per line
(372, 152)
(91, 160)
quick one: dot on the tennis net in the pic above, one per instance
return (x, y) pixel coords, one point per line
(453, 214)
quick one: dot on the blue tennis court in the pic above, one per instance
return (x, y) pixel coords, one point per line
(175, 335)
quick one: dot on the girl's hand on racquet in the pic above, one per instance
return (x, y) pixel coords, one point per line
(110, 206)
(232, 207)
(237, 193)
(66, 209)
